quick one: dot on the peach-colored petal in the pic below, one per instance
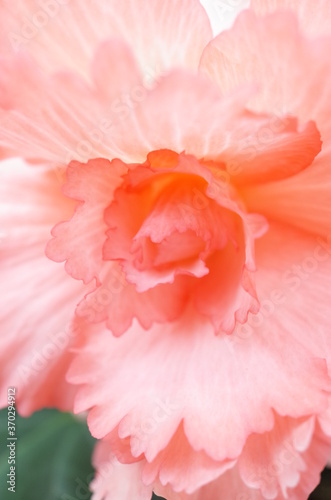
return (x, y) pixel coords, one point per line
(207, 126)
(187, 206)
(226, 294)
(115, 72)
(221, 397)
(79, 241)
(181, 467)
(162, 224)
(274, 156)
(228, 486)
(56, 118)
(177, 466)
(272, 462)
(324, 419)
(314, 16)
(117, 302)
(37, 299)
(284, 463)
(315, 458)
(62, 118)
(243, 54)
(303, 200)
(158, 235)
(116, 481)
(277, 342)
(292, 285)
(293, 73)
(65, 33)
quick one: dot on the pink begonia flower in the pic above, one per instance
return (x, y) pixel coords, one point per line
(185, 182)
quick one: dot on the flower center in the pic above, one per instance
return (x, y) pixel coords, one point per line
(171, 217)
(173, 228)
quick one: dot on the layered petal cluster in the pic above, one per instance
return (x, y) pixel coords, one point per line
(166, 239)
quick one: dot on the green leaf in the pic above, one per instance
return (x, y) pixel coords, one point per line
(53, 457)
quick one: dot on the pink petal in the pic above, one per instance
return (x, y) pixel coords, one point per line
(187, 113)
(302, 200)
(287, 461)
(114, 480)
(244, 54)
(314, 17)
(79, 241)
(161, 217)
(273, 156)
(63, 33)
(115, 71)
(315, 460)
(62, 118)
(57, 118)
(293, 73)
(135, 215)
(181, 467)
(272, 462)
(223, 295)
(160, 235)
(222, 391)
(37, 299)
(284, 463)
(117, 302)
(293, 287)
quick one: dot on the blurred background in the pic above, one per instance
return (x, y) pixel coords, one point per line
(53, 459)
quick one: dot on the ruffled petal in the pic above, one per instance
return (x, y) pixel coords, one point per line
(286, 462)
(56, 118)
(243, 54)
(114, 480)
(315, 458)
(272, 462)
(222, 391)
(117, 302)
(302, 200)
(38, 299)
(181, 467)
(65, 34)
(292, 72)
(79, 241)
(282, 464)
(162, 223)
(62, 118)
(227, 293)
(293, 287)
(314, 17)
